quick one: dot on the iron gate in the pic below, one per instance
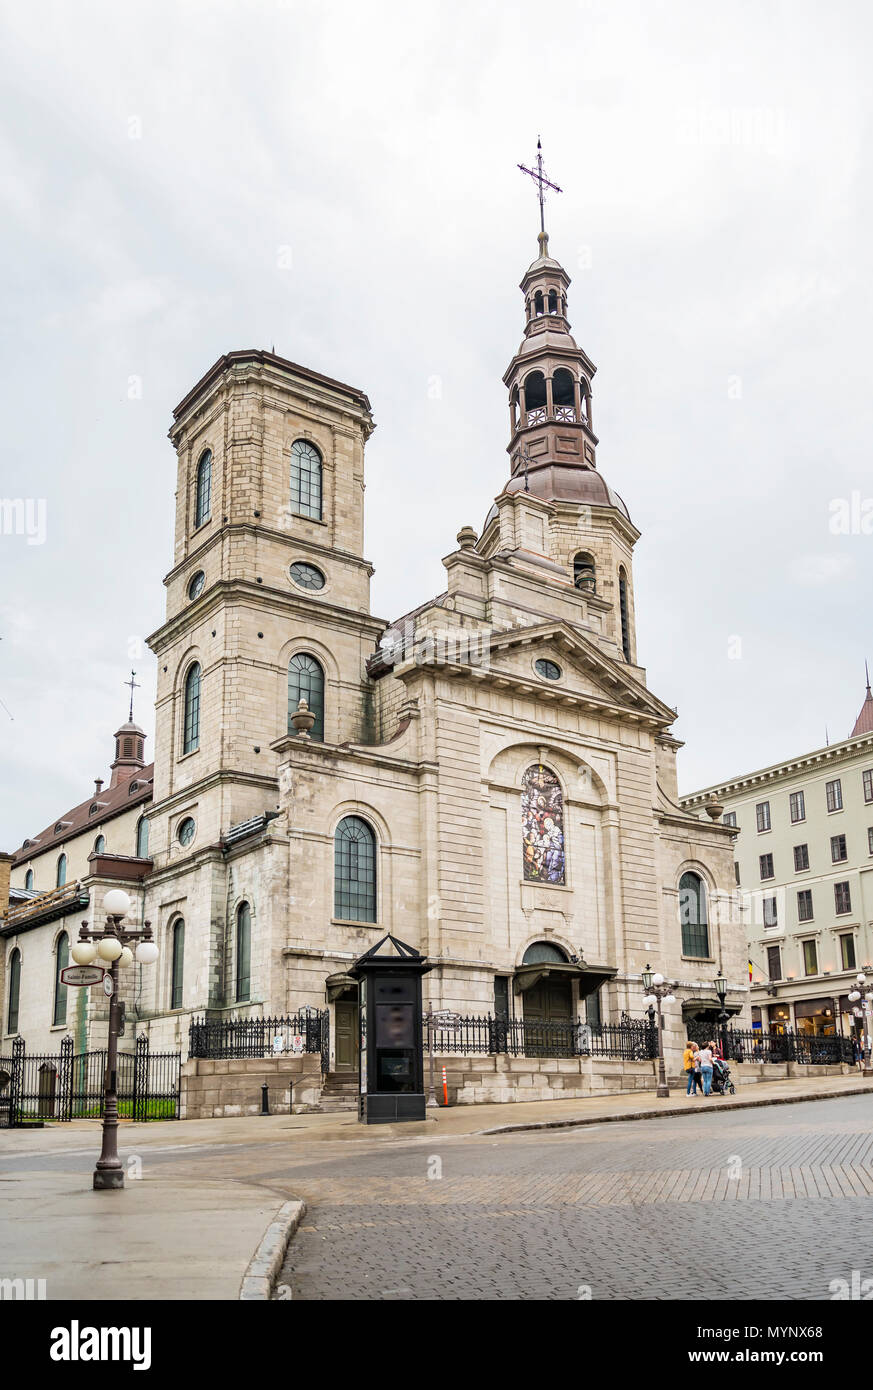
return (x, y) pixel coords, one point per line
(69, 1085)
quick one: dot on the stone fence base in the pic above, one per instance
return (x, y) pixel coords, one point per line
(482, 1080)
(216, 1089)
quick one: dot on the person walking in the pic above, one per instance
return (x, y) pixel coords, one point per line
(689, 1062)
(704, 1057)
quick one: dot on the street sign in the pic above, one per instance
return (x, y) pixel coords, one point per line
(108, 985)
(82, 975)
(445, 1019)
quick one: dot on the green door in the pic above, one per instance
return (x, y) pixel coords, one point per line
(346, 1020)
(548, 1019)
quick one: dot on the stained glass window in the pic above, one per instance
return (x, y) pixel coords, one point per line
(203, 505)
(305, 479)
(192, 710)
(306, 682)
(354, 871)
(542, 821)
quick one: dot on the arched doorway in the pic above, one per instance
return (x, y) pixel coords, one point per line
(549, 999)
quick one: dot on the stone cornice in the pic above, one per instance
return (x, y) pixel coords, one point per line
(834, 755)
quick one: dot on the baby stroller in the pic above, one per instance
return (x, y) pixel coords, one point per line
(721, 1078)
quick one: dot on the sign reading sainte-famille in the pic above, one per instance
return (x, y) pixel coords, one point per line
(82, 975)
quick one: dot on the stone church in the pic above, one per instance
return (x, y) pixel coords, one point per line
(488, 777)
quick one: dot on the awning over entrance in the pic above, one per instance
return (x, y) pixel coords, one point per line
(341, 986)
(703, 1006)
(590, 977)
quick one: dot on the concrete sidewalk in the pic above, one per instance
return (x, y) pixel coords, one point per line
(189, 1228)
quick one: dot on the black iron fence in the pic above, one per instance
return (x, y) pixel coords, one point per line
(751, 1045)
(632, 1039)
(69, 1085)
(261, 1037)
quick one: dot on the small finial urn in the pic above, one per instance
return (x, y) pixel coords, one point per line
(303, 719)
(466, 538)
(713, 809)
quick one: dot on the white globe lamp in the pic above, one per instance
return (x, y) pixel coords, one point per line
(126, 957)
(109, 948)
(83, 952)
(116, 903)
(146, 953)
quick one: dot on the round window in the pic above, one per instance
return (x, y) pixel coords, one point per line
(186, 831)
(549, 670)
(307, 576)
(195, 588)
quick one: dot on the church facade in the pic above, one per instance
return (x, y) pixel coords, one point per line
(488, 777)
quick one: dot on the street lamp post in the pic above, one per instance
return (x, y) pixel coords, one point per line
(721, 988)
(863, 987)
(658, 991)
(112, 947)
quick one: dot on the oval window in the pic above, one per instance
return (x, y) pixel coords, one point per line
(549, 670)
(195, 588)
(186, 831)
(307, 576)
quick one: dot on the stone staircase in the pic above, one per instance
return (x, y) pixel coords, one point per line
(340, 1091)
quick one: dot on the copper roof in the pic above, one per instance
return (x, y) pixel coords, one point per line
(111, 801)
(864, 722)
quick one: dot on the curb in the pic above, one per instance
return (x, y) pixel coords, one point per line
(257, 1284)
(676, 1110)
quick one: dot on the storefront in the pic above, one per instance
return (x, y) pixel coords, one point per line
(779, 1018)
(816, 1017)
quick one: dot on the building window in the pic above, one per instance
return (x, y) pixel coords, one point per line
(142, 838)
(842, 898)
(14, 991)
(834, 795)
(693, 917)
(847, 952)
(195, 588)
(801, 858)
(187, 828)
(191, 734)
(306, 682)
(766, 864)
(797, 804)
(625, 618)
(542, 826)
(762, 815)
(307, 576)
(203, 504)
(593, 1012)
(62, 960)
(804, 905)
(28, 881)
(61, 874)
(870, 840)
(736, 873)
(838, 849)
(770, 917)
(178, 965)
(774, 963)
(868, 785)
(810, 958)
(729, 818)
(549, 670)
(354, 871)
(305, 479)
(99, 844)
(243, 953)
(584, 573)
(501, 996)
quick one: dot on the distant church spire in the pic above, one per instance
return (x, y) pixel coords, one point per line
(864, 722)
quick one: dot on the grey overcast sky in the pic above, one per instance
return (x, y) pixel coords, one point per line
(339, 180)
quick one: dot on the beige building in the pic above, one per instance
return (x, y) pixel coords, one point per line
(804, 867)
(488, 778)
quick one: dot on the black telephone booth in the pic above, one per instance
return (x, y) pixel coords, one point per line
(391, 1061)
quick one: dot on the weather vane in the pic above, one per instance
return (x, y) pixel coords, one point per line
(134, 685)
(539, 177)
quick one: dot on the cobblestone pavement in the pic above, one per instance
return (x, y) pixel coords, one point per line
(655, 1211)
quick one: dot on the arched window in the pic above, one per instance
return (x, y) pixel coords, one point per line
(14, 991)
(99, 844)
(540, 952)
(693, 916)
(535, 398)
(62, 954)
(191, 732)
(28, 881)
(142, 838)
(354, 870)
(538, 304)
(203, 503)
(305, 479)
(584, 573)
(564, 395)
(306, 682)
(553, 301)
(243, 953)
(625, 620)
(542, 825)
(61, 875)
(178, 964)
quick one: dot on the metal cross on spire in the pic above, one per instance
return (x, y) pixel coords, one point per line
(539, 177)
(134, 685)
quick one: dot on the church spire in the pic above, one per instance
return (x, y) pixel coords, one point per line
(864, 722)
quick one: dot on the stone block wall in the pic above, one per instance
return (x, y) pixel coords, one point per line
(223, 1087)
